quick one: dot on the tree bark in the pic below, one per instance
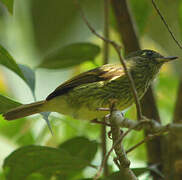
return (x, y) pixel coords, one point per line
(173, 157)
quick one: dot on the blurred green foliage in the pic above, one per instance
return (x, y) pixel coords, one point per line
(71, 55)
(51, 35)
(9, 4)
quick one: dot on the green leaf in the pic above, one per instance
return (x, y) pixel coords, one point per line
(65, 25)
(2, 175)
(26, 139)
(45, 116)
(80, 147)
(117, 176)
(140, 171)
(37, 176)
(7, 103)
(141, 12)
(120, 175)
(19, 131)
(154, 168)
(22, 71)
(29, 76)
(71, 55)
(10, 130)
(7, 60)
(41, 159)
(9, 4)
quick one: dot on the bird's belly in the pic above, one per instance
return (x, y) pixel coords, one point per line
(83, 103)
(82, 109)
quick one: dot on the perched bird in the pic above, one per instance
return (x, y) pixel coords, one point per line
(82, 95)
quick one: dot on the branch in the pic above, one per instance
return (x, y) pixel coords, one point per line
(118, 120)
(126, 26)
(106, 32)
(150, 125)
(117, 136)
(105, 61)
(147, 138)
(117, 48)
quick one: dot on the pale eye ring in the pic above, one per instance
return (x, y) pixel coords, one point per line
(148, 53)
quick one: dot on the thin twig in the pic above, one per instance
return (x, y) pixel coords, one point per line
(116, 162)
(106, 32)
(117, 48)
(165, 23)
(100, 122)
(147, 138)
(105, 61)
(104, 147)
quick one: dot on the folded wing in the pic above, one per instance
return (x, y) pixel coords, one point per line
(105, 72)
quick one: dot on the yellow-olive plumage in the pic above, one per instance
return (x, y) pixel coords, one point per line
(82, 95)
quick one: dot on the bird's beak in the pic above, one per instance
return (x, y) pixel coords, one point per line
(166, 59)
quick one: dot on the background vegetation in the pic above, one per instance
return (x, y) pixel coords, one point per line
(42, 44)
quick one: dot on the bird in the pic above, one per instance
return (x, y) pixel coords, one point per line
(82, 95)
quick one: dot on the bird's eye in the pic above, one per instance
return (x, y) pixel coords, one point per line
(147, 53)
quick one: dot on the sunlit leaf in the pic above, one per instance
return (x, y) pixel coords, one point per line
(40, 159)
(166, 87)
(17, 131)
(71, 55)
(37, 176)
(22, 71)
(9, 4)
(7, 103)
(27, 138)
(10, 130)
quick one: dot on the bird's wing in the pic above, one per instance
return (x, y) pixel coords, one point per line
(105, 72)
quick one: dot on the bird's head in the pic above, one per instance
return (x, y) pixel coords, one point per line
(149, 57)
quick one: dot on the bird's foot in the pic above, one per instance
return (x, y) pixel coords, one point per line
(110, 134)
(103, 109)
(144, 119)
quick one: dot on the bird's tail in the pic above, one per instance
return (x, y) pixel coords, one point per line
(24, 110)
